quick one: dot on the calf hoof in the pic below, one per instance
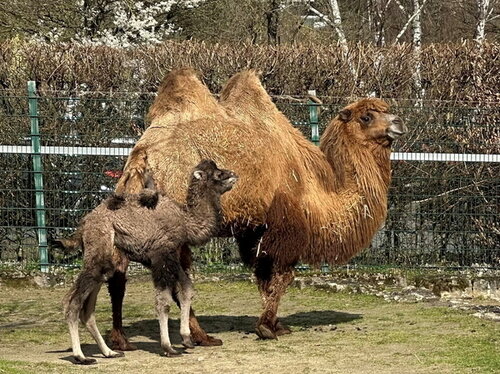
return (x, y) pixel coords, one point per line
(282, 329)
(114, 354)
(264, 332)
(170, 352)
(85, 361)
(206, 341)
(187, 343)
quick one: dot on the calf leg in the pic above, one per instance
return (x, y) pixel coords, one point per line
(185, 296)
(165, 269)
(162, 304)
(198, 335)
(85, 284)
(87, 316)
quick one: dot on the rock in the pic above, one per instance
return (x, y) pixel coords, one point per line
(41, 280)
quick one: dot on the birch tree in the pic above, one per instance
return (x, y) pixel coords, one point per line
(484, 15)
(417, 48)
(334, 20)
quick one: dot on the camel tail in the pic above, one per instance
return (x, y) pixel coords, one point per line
(71, 244)
(134, 174)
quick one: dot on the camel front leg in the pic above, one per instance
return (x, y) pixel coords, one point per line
(116, 288)
(272, 288)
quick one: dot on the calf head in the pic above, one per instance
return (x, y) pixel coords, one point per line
(211, 177)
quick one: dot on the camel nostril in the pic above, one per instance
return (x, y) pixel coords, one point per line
(397, 125)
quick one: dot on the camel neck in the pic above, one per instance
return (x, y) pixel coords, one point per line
(203, 214)
(358, 168)
(359, 198)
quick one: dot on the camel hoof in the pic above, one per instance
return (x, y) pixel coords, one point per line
(115, 355)
(264, 332)
(85, 361)
(208, 341)
(282, 329)
(119, 342)
(123, 346)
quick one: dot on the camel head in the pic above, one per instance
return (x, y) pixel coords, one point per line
(208, 175)
(369, 122)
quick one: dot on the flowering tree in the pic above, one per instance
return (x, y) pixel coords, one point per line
(122, 23)
(117, 23)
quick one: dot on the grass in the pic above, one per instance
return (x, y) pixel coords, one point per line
(332, 332)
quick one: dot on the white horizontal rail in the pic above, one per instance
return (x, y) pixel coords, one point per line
(67, 150)
(454, 157)
(124, 151)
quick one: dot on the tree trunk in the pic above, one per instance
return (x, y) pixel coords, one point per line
(483, 12)
(417, 47)
(273, 19)
(337, 24)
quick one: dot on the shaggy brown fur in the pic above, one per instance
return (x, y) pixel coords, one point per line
(127, 226)
(295, 201)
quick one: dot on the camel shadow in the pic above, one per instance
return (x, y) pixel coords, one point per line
(221, 323)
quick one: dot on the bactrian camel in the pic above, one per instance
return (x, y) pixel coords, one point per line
(294, 202)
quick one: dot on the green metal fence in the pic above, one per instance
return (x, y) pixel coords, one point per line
(61, 152)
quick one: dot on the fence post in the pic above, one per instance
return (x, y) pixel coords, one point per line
(38, 177)
(313, 118)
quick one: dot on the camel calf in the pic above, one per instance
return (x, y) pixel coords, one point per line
(146, 228)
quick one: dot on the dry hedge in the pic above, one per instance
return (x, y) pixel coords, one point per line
(449, 71)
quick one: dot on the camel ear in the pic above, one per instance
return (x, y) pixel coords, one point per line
(345, 115)
(198, 174)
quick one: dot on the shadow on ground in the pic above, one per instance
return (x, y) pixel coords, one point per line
(220, 323)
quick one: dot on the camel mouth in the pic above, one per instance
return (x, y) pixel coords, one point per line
(397, 128)
(232, 180)
(395, 134)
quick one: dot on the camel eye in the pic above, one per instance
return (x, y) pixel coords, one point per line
(365, 119)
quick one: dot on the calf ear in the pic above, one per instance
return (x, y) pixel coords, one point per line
(345, 115)
(115, 202)
(198, 174)
(148, 198)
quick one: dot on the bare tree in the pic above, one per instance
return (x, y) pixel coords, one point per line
(377, 10)
(273, 19)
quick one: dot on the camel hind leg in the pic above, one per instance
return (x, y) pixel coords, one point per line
(272, 290)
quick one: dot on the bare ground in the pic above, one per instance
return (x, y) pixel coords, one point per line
(332, 332)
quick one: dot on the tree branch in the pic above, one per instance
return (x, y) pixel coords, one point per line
(405, 27)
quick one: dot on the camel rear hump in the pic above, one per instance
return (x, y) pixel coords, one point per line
(245, 95)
